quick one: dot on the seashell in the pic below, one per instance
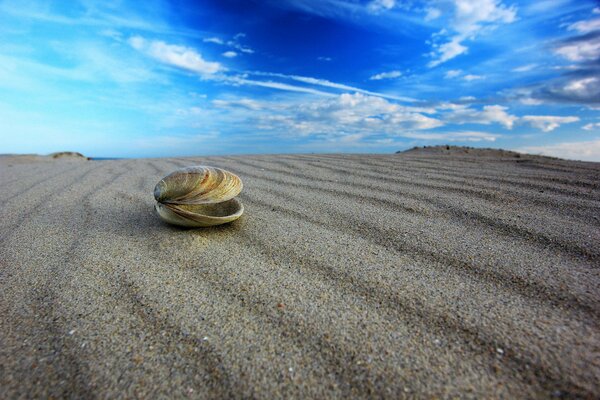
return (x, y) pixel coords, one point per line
(198, 196)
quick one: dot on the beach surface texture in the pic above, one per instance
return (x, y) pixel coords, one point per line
(426, 274)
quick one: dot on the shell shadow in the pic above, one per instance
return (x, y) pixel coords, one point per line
(133, 219)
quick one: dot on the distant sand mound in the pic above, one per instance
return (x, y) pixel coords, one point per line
(457, 150)
(15, 159)
(68, 154)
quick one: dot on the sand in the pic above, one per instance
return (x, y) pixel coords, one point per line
(414, 275)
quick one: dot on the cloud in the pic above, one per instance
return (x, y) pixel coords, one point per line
(580, 48)
(229, 54)
(591, 126)
(236, 80)
(470, 17)
(175, 55)
(324, 58)
(386, 75)
(215, 40)
(377, 6)
(466, 136)
(579, 82)
(488, 115)
(333, 85)
(530, 101)
(448, 51)
(234, 43)
(547, 123)
(585, 26)
(342, 115)
(471, 77)
(585, 151)
(432, 13)
(578, 87)
(583, 86)
(453, 73)
(524, 68)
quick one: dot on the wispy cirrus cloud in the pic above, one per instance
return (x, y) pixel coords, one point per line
(238, 80)
(386, 75)
(470, 18)
(175, 55)
(524, 68)
(231, 43)
(332, 85)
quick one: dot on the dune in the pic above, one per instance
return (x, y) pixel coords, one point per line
(415, 275)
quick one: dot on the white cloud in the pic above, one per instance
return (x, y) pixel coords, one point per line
(175, 55)
(585, 151)
(386, 75)
(275, 85)
(376, 6)
(585, 26)
(324, 58)
(453, 73)
(229, 54)
(596, 10)
(471, 77)
(470, 17)
(488, 115)
(215, 40)
(466, 136)
(547, 123)
(432, 13)
(582, 87)
(333, 85)
(346, 114)
(530, 101)
(448, 51)
(231, 43)
(580, 50)
(591, 126)
(524, 68)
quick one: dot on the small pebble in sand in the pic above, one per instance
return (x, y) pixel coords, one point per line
(499, 351)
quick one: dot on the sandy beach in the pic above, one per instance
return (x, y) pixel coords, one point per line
(417, 275)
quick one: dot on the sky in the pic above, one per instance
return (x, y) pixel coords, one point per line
(180, 78)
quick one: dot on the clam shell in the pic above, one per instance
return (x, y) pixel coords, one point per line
(198, 196)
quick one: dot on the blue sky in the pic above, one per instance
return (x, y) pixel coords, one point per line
(177, 78)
